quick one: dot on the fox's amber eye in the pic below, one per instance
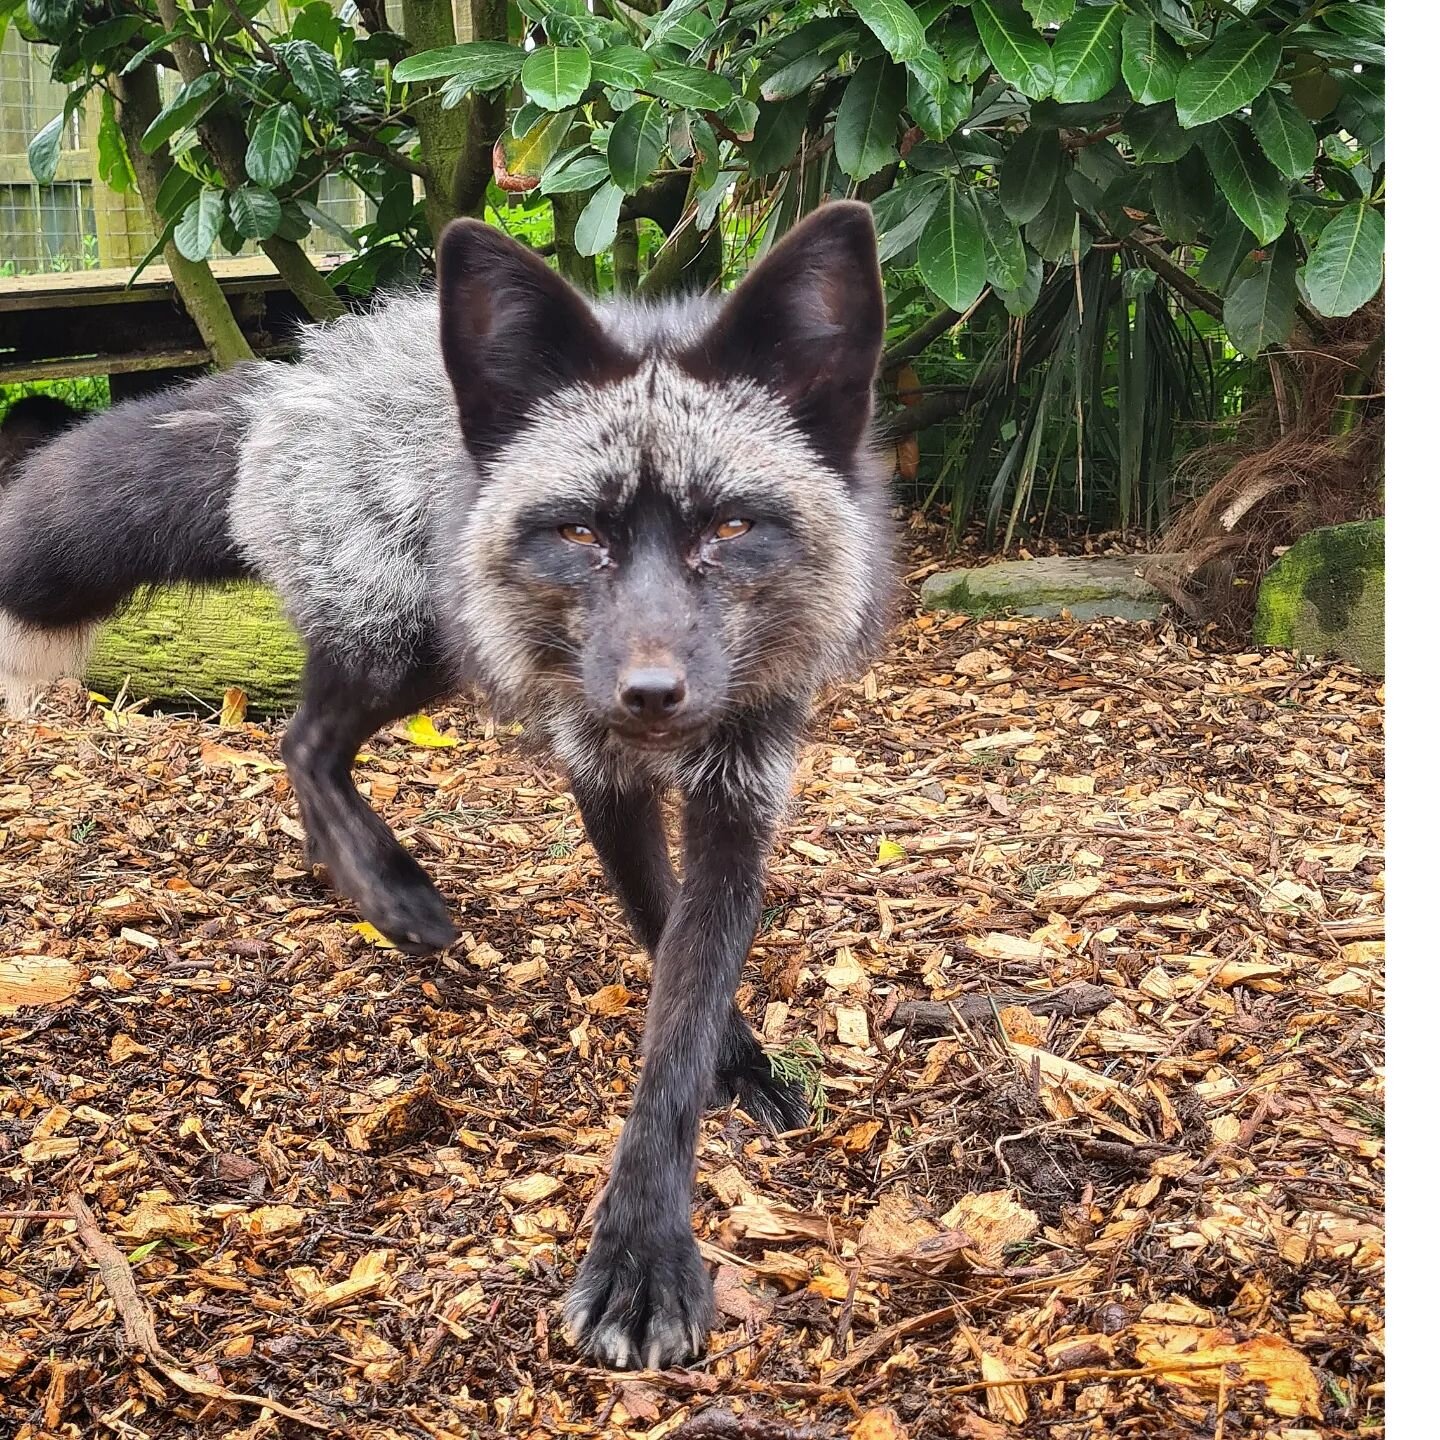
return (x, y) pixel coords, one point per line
(579, 535)
(731, 529)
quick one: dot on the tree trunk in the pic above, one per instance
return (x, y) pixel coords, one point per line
(444, 134)
(137, 97)
(626, 252)
(490, 20)
(223, 135)
(688, 261)
(578, 269)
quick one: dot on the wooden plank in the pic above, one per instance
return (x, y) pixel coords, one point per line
(111, 286)
(131, 364)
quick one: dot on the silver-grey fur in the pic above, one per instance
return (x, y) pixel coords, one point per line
(652, 533)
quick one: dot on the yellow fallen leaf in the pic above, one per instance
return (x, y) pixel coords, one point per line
(888, 852)
(366, 931)
(420, 730)
(232, 708)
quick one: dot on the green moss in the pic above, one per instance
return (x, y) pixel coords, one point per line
(1326, 596)
(179, 647)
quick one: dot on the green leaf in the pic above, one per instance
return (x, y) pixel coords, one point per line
(951, 256)
(142, 55)
(621, 67)
(866, 120)
(1285, 135)
(935, 105)
(199, 226)
(1086, 55)
(690, 86)
(1346, 267)
(486, 60)
(1004, 250)
(895, 25)
(1150, 60)
(113, 161)
(636, 141)
(1229, 73)
(530, 153)
(55, 19)
(583, 173)
(313, 70)
(901, 214)
(43, 151)
(1019, 55)
(795, 77)
(1315, 92)
(1226, 254)
(555, 76)
(329, 223)
(191, 102)
(1052, 232)
(671, 19)
(1365, 22)
(274, 149)
(1050, 12)
(595, 229)
(107, 35)
(177, 190)
(1155, 134)
(1257, 192)
(778, 128)
(1029, 174)
(1021, 300)
(254, 213)
(1180, 205)
(1260, 311)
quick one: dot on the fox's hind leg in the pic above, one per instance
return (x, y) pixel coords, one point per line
(628, 834)
(343, 704)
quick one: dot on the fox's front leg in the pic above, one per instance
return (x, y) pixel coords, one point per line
(625, 827)
(642, 1297)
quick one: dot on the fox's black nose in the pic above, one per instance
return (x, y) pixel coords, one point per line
(652, 692)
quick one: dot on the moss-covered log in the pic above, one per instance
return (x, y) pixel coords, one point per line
(181, 647)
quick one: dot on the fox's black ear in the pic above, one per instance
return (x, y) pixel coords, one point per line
(809, 322)
(511, 331)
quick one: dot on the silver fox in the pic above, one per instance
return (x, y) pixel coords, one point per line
(652, 534)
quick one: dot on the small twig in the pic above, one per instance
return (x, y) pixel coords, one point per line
(35, 1215)
(948, 1014)
(140, 1326)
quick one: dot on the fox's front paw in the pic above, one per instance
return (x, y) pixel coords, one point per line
(641, 1303)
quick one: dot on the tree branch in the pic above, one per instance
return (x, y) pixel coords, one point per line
(920, 337)
(1177, 279)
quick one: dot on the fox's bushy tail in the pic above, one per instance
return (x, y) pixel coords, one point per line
(127, 499)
